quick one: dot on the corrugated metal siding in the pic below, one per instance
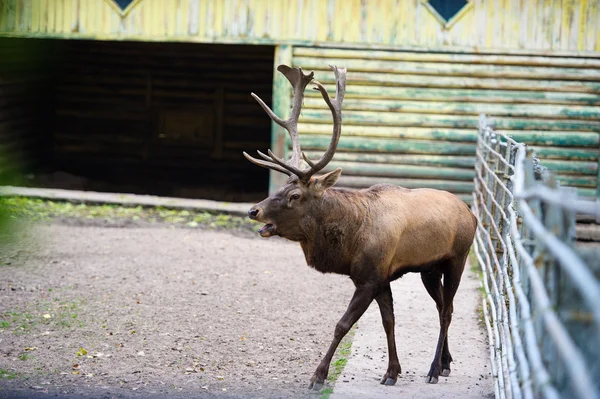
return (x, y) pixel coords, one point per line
(410, 118)
(24, 88)
(169, 116)
(571, 25)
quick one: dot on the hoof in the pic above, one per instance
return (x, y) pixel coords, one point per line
(445, 372)
(316, 385)
(431, 380)
(388, 381)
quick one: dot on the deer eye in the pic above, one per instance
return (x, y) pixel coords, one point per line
(295, 196)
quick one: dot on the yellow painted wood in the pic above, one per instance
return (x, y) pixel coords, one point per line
(535, 25)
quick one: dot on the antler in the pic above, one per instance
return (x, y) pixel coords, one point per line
(299, 82)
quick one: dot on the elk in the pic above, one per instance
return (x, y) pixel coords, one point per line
(372, 235)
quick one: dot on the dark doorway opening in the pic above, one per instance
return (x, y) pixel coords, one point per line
(167, 119)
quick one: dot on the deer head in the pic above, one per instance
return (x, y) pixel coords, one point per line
(289, 211)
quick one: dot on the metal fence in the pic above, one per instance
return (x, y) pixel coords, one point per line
(542, 301)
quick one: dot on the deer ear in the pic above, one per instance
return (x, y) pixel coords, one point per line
(327, 180)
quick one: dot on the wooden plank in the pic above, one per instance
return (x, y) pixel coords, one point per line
(281, 105)
(401, 171)
(570, 167)
(450, 57)
(577, 180)
(360, 144)
(566, 153)
(461, 82)
(562, 138)
(400, 159)
(469, 95)
(447, 121)
(463, 108)
(409, 132)
(367, 181)
(369, 65)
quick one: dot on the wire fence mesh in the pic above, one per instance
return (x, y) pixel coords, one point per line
(542, 301)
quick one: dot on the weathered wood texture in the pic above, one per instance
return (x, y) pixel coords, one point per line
(24, 88)
(410, 118)
(176, 113)
(546, 25)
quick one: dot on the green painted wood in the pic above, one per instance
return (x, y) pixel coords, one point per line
(401, 171)
(565, 153)
(389, 146)
(577, 181)
(412, 116)
(367, 181)
(468, 95)
(583, 168)
(449, 69)
(561, 138)
(448, 57)
(587, 192)
(400, 159)
(446, 121)
(461, 82)
(421, 133)
(462, 108)
(282, 92)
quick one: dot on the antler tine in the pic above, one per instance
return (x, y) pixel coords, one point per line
(335, 105)
(299, 81)
(268, 165)
(308, 161)
(286, 165)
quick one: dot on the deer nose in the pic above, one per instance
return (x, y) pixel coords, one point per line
(253, 213)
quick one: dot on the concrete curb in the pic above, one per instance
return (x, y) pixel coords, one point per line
(93, 197)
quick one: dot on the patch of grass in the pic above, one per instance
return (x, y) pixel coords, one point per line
(57, 313)
(24, 356)
(44, 210)
(21, 322)
(338, 363)
(7, 375)
(476, 269)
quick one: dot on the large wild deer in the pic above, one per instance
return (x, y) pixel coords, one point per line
(374, 235)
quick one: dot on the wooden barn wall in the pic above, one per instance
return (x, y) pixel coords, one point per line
(24, 120)
(172, 118)
(544, 25)
(410, 118)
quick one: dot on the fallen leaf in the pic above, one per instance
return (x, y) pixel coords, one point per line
(81, 352)
(32, 348)
(47, 316)
(76, 366)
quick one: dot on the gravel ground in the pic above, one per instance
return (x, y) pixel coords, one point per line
(96, 310)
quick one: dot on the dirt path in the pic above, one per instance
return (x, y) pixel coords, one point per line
(417, 328)
(90, 311)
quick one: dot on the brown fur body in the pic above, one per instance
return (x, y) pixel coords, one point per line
(373, 235)
(377, 227)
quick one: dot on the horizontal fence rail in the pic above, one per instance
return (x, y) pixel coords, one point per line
(542, 300)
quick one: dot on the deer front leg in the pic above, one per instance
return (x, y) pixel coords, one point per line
(362, 298)
(386, 307)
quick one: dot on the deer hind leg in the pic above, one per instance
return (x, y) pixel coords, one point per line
(443, 297)
(362, 298)
(386, 307)
(432, 281)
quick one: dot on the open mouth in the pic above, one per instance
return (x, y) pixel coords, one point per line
(267, 230)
